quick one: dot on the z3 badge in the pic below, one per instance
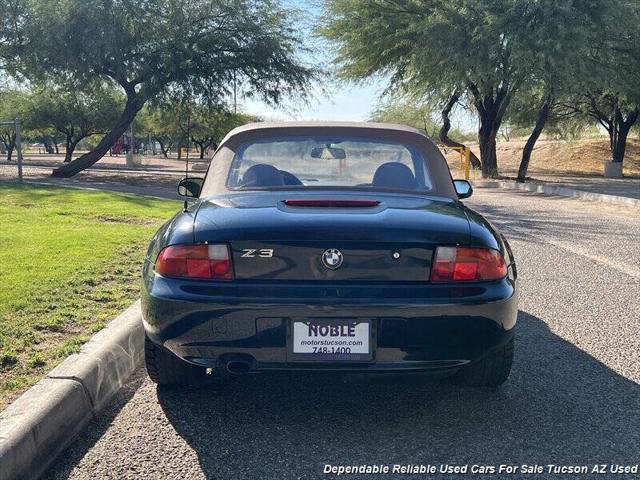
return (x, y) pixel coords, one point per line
(257, 252)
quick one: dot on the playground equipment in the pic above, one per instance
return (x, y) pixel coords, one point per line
(465, 159)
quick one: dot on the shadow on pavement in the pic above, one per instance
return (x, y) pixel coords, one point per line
(73, 454)
(538, 225)
(559, 406)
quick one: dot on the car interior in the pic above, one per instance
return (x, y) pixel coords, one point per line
(388, 175)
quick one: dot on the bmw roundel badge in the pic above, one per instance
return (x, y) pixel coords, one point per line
(332, 258)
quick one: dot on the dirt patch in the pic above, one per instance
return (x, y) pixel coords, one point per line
(128, 220)
(580, 157)
(138, 179)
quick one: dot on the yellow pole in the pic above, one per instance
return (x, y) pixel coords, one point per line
(467, 162)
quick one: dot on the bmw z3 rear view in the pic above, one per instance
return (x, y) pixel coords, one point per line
(335, 246)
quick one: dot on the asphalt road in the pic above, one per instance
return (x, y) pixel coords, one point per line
(573, 397)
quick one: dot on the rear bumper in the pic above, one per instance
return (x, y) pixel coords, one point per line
(414, 328)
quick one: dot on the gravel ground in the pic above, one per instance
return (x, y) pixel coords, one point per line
(572, 399)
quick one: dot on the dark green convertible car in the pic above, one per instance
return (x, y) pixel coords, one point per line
(328, 247)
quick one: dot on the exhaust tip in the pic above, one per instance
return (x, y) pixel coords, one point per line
(238, 367)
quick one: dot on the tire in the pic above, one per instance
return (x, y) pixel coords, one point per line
(164, 368)
(491, 371)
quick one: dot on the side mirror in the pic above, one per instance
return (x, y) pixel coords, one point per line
(190, 187)
(463, 188)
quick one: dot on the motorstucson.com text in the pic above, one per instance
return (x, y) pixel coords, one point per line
(502, 469)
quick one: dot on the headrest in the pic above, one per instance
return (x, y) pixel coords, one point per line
(262, 175)
(394, 175)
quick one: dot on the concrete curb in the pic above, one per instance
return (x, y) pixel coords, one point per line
(560, 190)
(42, 422)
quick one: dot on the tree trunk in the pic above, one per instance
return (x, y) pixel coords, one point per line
(487, 140)
(489, 126)
(165, 151)
(202, 146)
(621, 127)
(446, 126)
(132, 107)
(543, 115)
(71, 146)
(48, 146)
(491, 113)
(9, 142)
(491, 107)
(68, 152)
(55, 146)
(620, 145)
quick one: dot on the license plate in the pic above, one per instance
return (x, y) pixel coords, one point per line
(335, 338)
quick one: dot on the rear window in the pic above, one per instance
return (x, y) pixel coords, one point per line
(305, 162)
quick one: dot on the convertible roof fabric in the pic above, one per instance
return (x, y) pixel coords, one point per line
(436, 163)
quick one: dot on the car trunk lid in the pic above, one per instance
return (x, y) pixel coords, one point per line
(335, 238)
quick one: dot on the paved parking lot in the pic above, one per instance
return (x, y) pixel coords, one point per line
(573, 397)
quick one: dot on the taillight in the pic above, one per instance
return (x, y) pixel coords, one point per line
(210, 261)
(466, 264)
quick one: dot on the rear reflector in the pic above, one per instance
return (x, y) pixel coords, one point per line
(210, 261)
(330, 203)
(464, 264)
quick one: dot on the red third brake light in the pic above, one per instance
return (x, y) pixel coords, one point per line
(331, 203)
(464, 264)
(205, 261)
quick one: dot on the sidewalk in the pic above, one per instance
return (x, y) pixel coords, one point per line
(624, 192)
(624, 187)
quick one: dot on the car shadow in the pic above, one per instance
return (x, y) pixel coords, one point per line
(560, 405)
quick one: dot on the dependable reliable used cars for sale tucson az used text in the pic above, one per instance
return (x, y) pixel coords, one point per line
(328, 247)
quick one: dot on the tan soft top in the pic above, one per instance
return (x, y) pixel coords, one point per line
(436, 163)
(258, 126)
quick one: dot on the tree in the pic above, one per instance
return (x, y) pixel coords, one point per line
(414, 114)
(482, 50)
(13, 105)
(156, 46)
(206, 125)
(161, 124)
(539, 107)
(614, 111)
(544, 100)
(170, 122)
(76, 115)
(612, 97)
(421, 115)
(444, 133)
(49, 137)
(438, 47)
(563, 42)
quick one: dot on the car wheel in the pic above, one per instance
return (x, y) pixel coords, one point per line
(164, 368)
(492, 371)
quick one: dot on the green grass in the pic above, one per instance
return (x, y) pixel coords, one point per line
(70, 260)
